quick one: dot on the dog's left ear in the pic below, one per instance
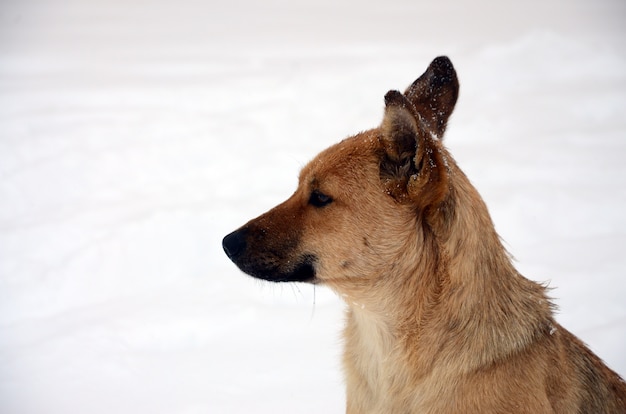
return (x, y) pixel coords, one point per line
(413, 167)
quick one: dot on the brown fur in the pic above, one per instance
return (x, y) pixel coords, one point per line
(438, 319)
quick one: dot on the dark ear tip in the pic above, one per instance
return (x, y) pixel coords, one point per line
(442, 68)
(394, 98)
(442, 62)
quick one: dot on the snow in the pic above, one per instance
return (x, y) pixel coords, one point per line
(134, 135)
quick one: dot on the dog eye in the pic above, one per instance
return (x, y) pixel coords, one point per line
(319, 199)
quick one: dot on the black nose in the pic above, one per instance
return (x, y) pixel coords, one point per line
(234, 244)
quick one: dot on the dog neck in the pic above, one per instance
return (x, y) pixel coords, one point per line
(460, 292)
(487, 304)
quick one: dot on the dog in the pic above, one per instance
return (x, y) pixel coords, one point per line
(438, 319)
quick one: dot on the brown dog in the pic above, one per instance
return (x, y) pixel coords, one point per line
(438, 319)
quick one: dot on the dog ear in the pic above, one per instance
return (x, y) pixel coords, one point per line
(434, 95)
(401, 132)
(412, 168)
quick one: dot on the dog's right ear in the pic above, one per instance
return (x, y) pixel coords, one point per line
(434, 95)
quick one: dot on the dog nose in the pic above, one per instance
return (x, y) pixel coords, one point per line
(234, 244)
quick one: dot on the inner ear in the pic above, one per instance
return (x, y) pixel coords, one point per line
(400, 132)
(400, 128)
(434, 94)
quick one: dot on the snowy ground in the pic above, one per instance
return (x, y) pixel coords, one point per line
(134, 135)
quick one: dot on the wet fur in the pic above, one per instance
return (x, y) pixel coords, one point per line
(438, 319)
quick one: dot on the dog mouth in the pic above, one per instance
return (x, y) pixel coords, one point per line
(302, 271)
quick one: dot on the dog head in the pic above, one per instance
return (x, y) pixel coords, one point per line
(358, 203)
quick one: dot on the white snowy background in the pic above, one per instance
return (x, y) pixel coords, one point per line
(135, 134)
